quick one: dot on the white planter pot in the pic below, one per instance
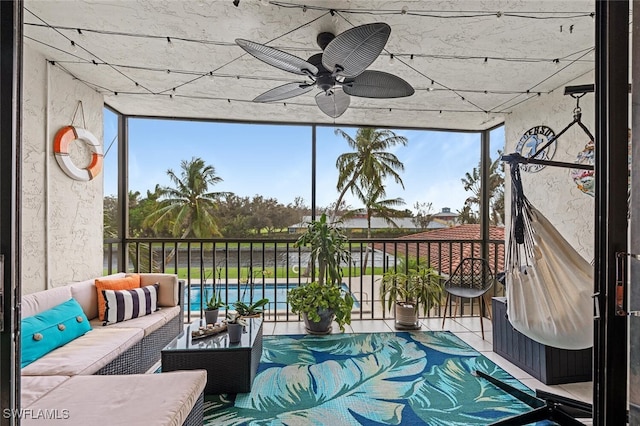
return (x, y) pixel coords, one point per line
(407, 315)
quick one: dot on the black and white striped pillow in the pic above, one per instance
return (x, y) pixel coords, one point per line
(122, 305)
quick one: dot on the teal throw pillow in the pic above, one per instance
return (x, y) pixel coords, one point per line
(51, 329)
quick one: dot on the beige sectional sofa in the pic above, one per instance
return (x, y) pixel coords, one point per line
(101, 372)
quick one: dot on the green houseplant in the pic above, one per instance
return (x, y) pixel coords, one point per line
(416, 286)
(323, 300)
(252, 309)
(212, 308)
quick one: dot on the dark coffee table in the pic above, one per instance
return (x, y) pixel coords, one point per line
(231, 367)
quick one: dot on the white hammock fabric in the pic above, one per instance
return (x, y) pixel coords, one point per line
(549, 286)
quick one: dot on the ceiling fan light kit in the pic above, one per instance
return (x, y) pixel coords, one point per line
(339, 72)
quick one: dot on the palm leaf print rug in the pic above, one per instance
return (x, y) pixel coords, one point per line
(369, 379)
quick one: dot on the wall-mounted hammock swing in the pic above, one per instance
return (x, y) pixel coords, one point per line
(549, 285)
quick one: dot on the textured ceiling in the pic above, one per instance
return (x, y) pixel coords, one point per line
(439, 47)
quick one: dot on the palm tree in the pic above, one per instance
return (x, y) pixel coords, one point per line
(188, 205)
(472, 182)
(370, 162)
(374, 206)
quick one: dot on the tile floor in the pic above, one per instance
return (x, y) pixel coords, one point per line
(467, 329)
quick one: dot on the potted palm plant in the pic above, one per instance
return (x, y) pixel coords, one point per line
(323, 300)
(212, 307)
(416, 286)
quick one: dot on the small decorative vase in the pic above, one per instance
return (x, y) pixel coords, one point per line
(211, 316)
(235, 332)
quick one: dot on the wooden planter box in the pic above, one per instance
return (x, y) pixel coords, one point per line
(550, 365)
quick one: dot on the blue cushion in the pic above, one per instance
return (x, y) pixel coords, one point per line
(51, 329)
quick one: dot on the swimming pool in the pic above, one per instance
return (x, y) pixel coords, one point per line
(276, 293)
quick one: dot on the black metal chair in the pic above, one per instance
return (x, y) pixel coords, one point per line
(471, 279)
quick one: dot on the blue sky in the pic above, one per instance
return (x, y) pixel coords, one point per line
(275, 161)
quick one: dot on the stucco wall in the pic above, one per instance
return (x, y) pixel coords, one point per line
(61, 217)
(552, 190)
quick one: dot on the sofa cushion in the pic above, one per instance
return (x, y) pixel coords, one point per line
(42, 300)
(125, 283)
(127, 400)
(85, 355)
(87, 296)
(35, 387)
(148, 323)
(122, 305)
(168, 295)
(51, 329)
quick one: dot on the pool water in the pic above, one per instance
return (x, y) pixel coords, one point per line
(276, 293)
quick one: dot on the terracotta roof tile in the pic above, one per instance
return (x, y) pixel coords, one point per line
(445, 248)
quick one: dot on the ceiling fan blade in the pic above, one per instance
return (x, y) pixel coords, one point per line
(334, 104)
(352, 51)
(285, 91)
(278, 58)
(377, 84)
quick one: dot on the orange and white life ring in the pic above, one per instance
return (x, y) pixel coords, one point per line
(61, 143)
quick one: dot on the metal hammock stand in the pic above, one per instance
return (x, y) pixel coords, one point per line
(545, 405)
(516, 158)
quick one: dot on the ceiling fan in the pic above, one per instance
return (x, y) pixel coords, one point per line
(339, 72)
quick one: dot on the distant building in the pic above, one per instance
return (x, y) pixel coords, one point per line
(446, 217)
(358, 224)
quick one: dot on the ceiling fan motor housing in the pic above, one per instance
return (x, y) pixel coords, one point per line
(324, 80)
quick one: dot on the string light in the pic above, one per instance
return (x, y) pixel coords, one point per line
(74, 48)
(334, 16)
(210, 75)
(404, 10)
(486, 60)
(304, 9)
(236, 3)
(264, 2)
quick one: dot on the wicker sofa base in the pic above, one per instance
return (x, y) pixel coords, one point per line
(153, 343)
(195, 417)
(125, 363)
